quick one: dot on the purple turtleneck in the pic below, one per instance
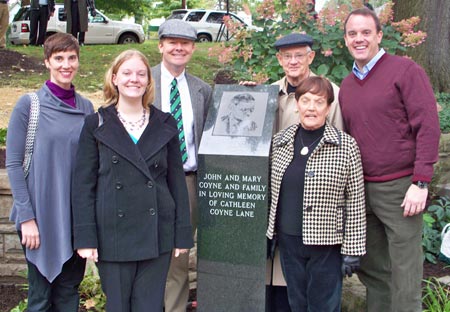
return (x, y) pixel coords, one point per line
(67, 96)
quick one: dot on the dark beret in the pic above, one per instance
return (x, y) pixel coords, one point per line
(292, 40)
(175, 28)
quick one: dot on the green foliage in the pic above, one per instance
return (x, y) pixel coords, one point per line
(21, 307)
(91, 294)
(3, 136)
(124, 7)
(252, 56)
(434, 220)
(444, 115)
(436, 296)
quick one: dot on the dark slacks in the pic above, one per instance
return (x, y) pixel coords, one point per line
(392, 268)
(38, 25)
(61, 295)
(136, 286)
(313, 275)
(76, 23)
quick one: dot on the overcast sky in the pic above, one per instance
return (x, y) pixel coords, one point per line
(319, 4)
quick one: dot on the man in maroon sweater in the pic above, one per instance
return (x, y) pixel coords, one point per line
(389, 107)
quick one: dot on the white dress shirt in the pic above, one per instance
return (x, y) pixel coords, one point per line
(186, 108)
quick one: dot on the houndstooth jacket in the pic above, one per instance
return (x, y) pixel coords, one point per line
(333, 199)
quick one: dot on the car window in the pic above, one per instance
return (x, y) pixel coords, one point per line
(236, 19)
(195, 16)
(22, 15)
(177, 15)
(215, 17)
(97, 19)
(62, 16)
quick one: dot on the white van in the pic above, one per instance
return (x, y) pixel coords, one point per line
(102, 30)
(208, 23)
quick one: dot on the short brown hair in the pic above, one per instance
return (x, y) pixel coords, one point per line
(110, 92)
(60, 42)
(364, 12)
(316, 85)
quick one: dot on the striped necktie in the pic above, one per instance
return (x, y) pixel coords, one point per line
(175, 110)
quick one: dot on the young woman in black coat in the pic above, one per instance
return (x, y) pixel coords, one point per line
(130, 200)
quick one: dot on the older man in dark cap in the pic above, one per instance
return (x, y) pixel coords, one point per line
(187, 98)
(295, 54)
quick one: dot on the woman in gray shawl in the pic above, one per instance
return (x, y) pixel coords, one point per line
(42, 200)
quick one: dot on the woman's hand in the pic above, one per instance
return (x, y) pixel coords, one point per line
(179, 251)
(88, 253)
(30, 234)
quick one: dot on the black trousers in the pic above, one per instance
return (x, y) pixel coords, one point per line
(38, 25)
(76, 23)
(136, 286)
(313, 275)
(61, 295)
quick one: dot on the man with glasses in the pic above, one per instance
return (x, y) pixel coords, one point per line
(295, 54)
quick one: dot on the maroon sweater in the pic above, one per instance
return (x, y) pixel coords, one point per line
(392, 115)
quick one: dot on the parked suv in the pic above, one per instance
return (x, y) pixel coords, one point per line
(208, 23)
(102, 30)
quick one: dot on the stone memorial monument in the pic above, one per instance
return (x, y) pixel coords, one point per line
(233, 199)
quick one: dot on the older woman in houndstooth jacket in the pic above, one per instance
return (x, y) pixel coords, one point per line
(317, 202)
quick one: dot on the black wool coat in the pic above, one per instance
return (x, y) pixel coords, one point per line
(130, 200)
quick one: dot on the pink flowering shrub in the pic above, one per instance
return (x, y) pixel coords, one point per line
(251, 56)
(410, 36)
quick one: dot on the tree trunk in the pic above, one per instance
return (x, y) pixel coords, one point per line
(434, 54)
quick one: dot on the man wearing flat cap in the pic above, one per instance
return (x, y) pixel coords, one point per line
(295, 54)
(187, 98)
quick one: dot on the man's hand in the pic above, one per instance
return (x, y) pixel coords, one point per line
(30, 234)
(248, 83)
(350, 264)
(415, 200)
(178, 251)
(88, 253)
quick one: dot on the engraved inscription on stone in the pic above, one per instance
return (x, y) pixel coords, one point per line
(232, 195)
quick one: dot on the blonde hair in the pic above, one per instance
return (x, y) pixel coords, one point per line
(110, 91)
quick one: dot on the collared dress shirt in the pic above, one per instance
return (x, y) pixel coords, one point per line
(186, 107)
(366, 69)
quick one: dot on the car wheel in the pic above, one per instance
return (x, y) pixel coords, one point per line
(128, 38)
(204, 38)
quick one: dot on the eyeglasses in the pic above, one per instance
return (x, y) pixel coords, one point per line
(297, 56)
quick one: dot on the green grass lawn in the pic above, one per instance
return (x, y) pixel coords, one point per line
(95, 59)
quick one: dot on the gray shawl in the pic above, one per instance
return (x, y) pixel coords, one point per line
(45, 194)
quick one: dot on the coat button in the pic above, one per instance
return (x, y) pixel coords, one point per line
(310, 173)
(152, 211)
(118, 185)
(115, 159)
(120, 214)
(150, 184)
(308, 208)
(156, 164)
